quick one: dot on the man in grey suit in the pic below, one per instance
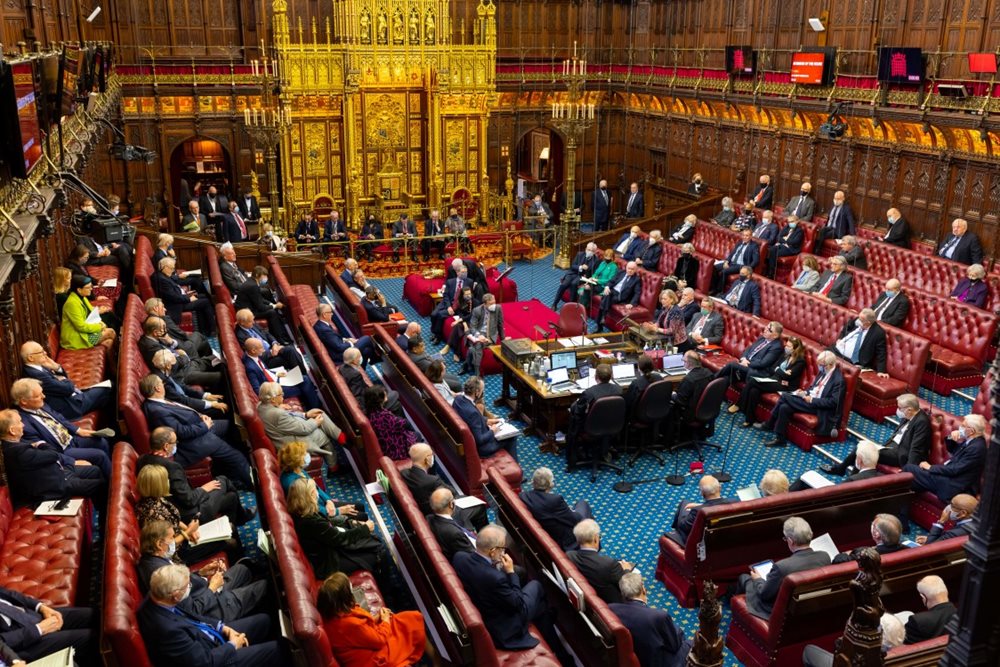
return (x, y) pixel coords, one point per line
(232, 275)
(485, 328)
(802, 205)
(315, 428)
(706, 328)
(762, 591)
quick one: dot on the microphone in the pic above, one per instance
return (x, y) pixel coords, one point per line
(545, 333)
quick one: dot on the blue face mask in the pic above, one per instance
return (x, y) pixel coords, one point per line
(793, 225)
(263, 281)
(889, 294)
(962, 433)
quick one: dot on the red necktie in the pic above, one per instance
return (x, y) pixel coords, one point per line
(829, 284)
(267, 375)
(243, 228)
(458, 294)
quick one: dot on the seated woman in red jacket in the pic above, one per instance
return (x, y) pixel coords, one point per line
(359, 639)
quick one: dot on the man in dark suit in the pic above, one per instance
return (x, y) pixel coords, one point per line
(933, 622)
(193, 344)
(37, 471)
(212, 499)
(376, 307)
(886, 530)
(190, 370)
(684, 232)
(763, 195)
(761, 592)
(961, 245)
(483, 429)
(33, 629)
(625, 287)
(336, 344)
(258, 373)
(583, 266)
(232, 275)
(684, 400)
(766, 230)
(251, 295)
(892, 306)
(910, 443)
(249, 207)
(602, 387)
(334, 231)
(853, 253)
(835, 283)
(307, 231)
(862, 342)
(789, 243)
(959, 513)
(451, 301)
(213, 205)
(865, 462)
(744, 294)
(711, 494)
(354, 375)
(630, 244)
(635, 207)
(697, 186)
(961, 472)
(434, 228)
(823, 398)
(760, 356)
(485, 329)
(422, 483)
(403, 230)
(802, 205)
(474, 269)
(177, 302)
(649, 257)
(452, 533)
(231, 227)
(176, 635)
(198, 436)
(416, 350)
(165, 248)
(164, 361)
(899, 229)
(705, 328)
(41, 422)
(744, 253)
(507, 608)
(60, 392)
(552, 511)
(688, 305)
(839, 222)
(274, 354)
(601, 203)
(601, 571)
(655, 638)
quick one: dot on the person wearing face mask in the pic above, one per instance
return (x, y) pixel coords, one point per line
(583, 266)
(372, 232)
(684, 232)
(625, 288)
(959, 514)
(697, 186)
(230, 226)
(249, 208)
(725, 217)
(175, 635)
(892, 306)
(451, 301)
(744, 294)
(251, 294)
(213, 205)
(603, 274)
(483, 428)
(705, 328)
(885, 531)
(601, 203)
(218, 592)
(485, 329)
(789, 243)
(763, 194)
(294, 461)
(862, 342)
(767, 229)
(315, 428)
(839, 222)
(971, 289)
(785, 375)
(899, 229)
(422, 482)
(865, 465)
(630, 244)
(649, 257)
(909, 443)
(746, 218)
(802, 204)
(460, 327)
(823, 398)
(961, 472)
(835, 284)
(685, 269)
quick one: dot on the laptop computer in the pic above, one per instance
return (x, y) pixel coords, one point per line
(673, 364)
(623, 374)
(558, 379)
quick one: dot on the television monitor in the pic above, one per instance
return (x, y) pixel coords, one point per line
(69, 77)
(900, 64)
(982, 63)
(47, 66)
(741, 60)
(86, 82)
(19, 114)
(563, 359)
(811, 68)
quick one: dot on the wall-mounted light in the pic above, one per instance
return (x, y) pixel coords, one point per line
(93, 14)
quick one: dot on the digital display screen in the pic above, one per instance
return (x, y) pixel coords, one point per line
(71, 64)
(740, 60)
(27, 113)
(900, 65)
(807, 68)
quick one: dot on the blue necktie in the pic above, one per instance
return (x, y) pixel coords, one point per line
(857, 346)
(205, 628)
(947, 249)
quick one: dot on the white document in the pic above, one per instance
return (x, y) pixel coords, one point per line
(196, 272)
(110, 282)
(506, 430)
(215, 531)
(748, 493)
(815, 480)
(718, 300)
(63, 658)
(375, 488)
(293, 378)
(103, 383)
(599, 341)
(566, 342)
(94, 316)
(763, 568)
(825, 543)
(48, 508)
(264, 541)
(469, 501)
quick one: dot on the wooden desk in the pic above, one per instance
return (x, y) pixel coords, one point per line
(543, 411)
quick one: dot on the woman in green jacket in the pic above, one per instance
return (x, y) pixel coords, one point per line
(76, 333)
(603, 274)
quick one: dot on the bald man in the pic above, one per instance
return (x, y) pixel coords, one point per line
(899, 230)
(959, 513)
(422, 482)
(711, 493)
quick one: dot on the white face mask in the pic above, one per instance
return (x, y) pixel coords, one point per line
(171, 549)
(962, 433)
(307, 460)
(900, 413)
(173, 450)
(430, 462)
(589, 253)
(491, 308)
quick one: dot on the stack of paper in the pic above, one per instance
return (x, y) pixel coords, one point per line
(815, 480)
(215, 531)
(506, 430)
(825, 543)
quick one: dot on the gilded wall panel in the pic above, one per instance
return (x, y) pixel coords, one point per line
(316, 149)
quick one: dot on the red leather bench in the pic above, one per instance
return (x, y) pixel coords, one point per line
(84, 367)
(813, 606)
(668, 260)
(417, 289)
(299, 583)
(717, 242)
(349, 305)
(612, 645)
(927, 652)
(144, 270)
(444, 431)
(439, 586)
(726, 539)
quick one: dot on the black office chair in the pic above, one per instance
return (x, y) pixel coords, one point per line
(602, 426)
(652, 408)
(702, 425)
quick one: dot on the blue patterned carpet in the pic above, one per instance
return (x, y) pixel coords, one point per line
(633, 522)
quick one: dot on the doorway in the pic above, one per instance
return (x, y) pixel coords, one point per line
(539, 167)
(196, 164)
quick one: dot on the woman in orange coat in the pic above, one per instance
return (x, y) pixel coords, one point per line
(360, 640)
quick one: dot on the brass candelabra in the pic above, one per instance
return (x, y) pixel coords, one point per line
(266, 127)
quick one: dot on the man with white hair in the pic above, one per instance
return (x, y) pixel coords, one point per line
(886, 530)
(909, 443)
(625, 288)
(802, 204)
(601, 571)
(630, 243)
(258, 372)
(453, 535)
(60, 392)
(711, 493)
(684, 232)
(892, 306)
(835, 284)
(892, 636)
(175, 635)
(852, 252)
(649, 257)
(335, 343)
(583, 266)
(839, 222)
(762, 591)
(865, 461)
(961, 472)
(933, 622)
(315, 428)
(232, 275)
(193, 344)
(177, 302)
(823, 398)
(179, 392)
(961, 245)
(552, 511)
(862, 342)
(194, 220)
(655, 638)
(347, 275)
(767, 229)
